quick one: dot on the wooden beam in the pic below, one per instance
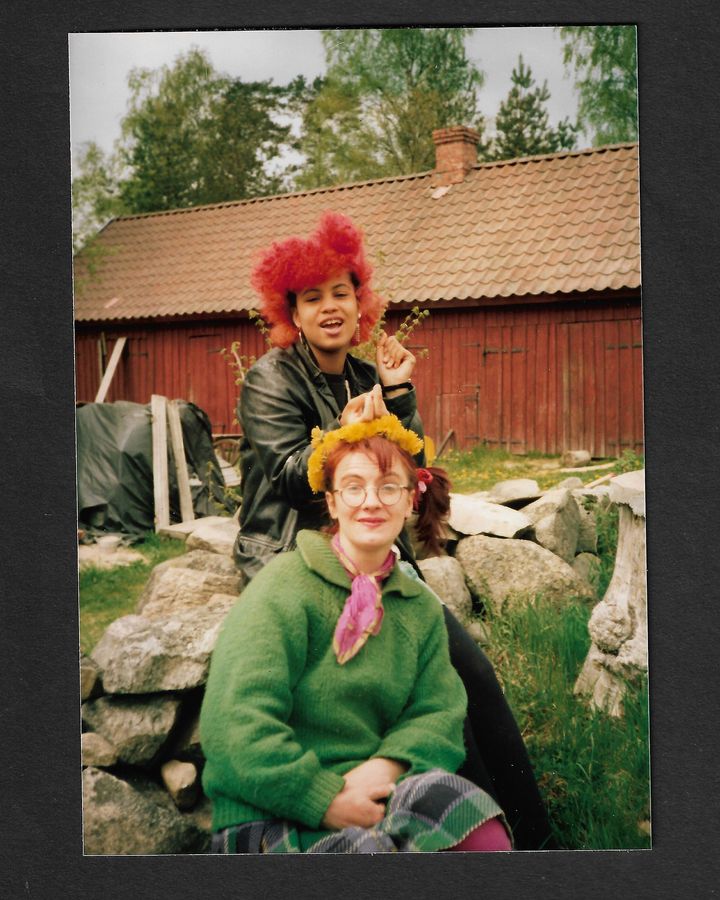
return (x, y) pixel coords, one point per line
(445, 443)
(110, 371)
(161, 485)
(178, 447)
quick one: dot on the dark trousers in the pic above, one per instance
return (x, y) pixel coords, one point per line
(497, 760)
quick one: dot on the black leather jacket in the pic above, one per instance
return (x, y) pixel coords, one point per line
(284, 396)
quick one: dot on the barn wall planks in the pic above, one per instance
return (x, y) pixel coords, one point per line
(544, 377)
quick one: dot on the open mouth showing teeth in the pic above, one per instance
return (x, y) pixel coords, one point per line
(333, 323)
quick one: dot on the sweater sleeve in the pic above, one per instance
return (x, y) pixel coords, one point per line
(429, 732)
(251, 751)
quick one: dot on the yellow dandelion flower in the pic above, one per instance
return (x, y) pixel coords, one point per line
(388, 426)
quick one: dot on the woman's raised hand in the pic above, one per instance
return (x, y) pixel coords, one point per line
(364, 407)
(395, 363)
(356, 805)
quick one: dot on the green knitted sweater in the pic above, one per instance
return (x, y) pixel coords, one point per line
(282, 721)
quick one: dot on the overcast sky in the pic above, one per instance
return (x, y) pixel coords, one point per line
(100, 63)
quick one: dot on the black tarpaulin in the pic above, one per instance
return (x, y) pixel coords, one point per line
(115, 472)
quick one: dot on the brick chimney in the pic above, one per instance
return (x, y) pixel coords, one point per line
(455, 154)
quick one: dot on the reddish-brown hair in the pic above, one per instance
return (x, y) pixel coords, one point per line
(288, 267)
(433, 504)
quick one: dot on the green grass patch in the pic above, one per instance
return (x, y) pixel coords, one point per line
(107, 594)
(593, 769)
(479, 468)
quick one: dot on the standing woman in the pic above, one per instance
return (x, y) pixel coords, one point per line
(317, 299)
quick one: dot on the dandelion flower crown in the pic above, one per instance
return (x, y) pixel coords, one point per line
(324, 442)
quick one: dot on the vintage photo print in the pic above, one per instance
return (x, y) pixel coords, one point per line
(358, 329)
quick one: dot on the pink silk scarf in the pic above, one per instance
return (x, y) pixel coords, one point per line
(363, 612)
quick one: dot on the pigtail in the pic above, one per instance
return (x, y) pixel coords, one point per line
(433, 507)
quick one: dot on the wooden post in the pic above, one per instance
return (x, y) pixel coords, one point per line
(110, 371)
(161, 485)
(178, 447)
(444, 444)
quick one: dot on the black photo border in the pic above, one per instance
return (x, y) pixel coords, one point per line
(41, 845)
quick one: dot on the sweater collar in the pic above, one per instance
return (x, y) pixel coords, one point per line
(317, 554)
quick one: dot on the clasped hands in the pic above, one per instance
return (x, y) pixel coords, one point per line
(395, 365)
(360, 801)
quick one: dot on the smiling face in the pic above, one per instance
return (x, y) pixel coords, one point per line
(368, 531)
(327, 314)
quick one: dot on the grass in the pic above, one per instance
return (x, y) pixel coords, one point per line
(107, 594)
(480, 468)
(593, 770)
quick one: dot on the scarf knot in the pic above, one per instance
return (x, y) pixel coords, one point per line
(363, 612)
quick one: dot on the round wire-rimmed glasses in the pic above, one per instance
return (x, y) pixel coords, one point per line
(354, 495)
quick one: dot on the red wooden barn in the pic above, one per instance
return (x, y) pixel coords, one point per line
(530, 268)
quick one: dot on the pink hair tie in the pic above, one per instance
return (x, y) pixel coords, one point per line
(424, 478)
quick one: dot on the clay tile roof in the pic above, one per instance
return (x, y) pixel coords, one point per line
(560, 223)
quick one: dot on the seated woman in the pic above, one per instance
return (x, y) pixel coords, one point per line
(333, 718)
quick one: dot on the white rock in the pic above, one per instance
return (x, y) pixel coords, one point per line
(556, 522)
(217, 537)
(97, 750)
(90, 681)
(571, 484)
(141, 655)
(445, 576)
(629, 489)
(182, 782)
(182, 530)
(513, 571)
(136, 726)
(514, 490)
(173, 588)
(473, 515)
(587, 565)
(575, 458)
(200, 561)
(119, 819)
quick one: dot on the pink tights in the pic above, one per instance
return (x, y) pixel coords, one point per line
(491, 835)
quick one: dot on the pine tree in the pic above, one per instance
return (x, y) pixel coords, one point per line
(522, 123)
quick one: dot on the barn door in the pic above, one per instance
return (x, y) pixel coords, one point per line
(601, 386)
(502, 410)
(205, 371)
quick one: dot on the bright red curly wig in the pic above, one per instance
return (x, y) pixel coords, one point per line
(290, 266)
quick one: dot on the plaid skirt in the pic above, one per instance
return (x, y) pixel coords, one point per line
(432, 811)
